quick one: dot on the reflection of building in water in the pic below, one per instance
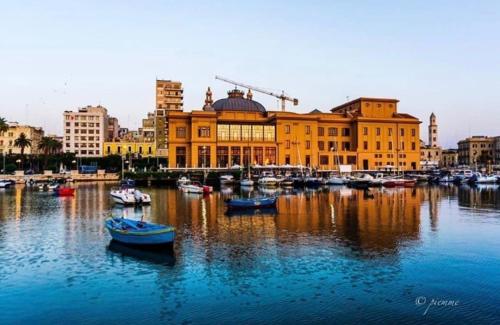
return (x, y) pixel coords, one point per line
(483, 196)
(386, 221)
(433, 196)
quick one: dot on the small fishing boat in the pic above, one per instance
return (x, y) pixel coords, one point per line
(377, 180)
(196, 188)
(251, 203)
(399, 182)
(479, 178)
(65, 191)
(267, 179)
(4, 184)
(129, 196)
(183, 180)
(336, 180)
(246, 182)
(135, 232)
(226, 179)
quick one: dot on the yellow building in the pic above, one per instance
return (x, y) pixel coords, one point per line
(137, 149)
(8, 138)
(366, 133)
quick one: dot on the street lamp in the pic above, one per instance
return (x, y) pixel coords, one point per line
(18, 161)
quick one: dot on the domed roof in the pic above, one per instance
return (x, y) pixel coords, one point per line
(236, 102)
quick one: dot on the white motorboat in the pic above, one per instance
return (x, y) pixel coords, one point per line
(128, 196)
(378, 180)
(336, 180)
(4, 184)
(195, 188)
(267, 179)
(246, 182)
(226, 179)
(183, 180)
(483, 179)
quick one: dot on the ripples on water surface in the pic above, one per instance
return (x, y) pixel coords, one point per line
(329, 255)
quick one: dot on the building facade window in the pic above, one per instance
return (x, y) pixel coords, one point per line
(247, 156)
(321, 131)
(365, 131)
(269, 133)
(346, 146)
(270, 156)
(258, 155)
(203, 156)
(204, 132)
(308, 144)
(321, 145)
(257, 132)
(333, 132)
(323, 160)
(377, 130)
(180, 132)
(346, 132)
(308, 129)
(235, 156)
(235, 130)
(365, 145)
(287, 144)
(246, 132)
(378, 145)
(223, 132)
(287, 129)
(222, 156)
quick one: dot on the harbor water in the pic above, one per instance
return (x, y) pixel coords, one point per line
(429, 254)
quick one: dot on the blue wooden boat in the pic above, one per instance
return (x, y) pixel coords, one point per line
(135, 232)
(251, 203)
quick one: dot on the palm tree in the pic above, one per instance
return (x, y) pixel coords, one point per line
(49, 146)
(22, 142)
(3, 125)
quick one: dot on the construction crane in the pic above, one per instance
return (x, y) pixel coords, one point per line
(281, 96)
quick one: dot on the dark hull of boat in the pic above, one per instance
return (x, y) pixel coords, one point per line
(251, 203)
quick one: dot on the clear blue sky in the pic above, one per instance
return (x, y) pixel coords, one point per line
(434, 56)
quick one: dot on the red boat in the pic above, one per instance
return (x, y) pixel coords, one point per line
(65, 191)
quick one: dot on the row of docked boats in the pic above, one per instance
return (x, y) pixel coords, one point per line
(465, 177)
(267, 179)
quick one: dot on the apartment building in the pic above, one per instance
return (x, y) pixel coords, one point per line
(85, 131)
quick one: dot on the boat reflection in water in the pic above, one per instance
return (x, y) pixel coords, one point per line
(265, 212)
(156, 255)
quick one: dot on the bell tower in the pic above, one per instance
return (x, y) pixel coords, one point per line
(433, 131)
